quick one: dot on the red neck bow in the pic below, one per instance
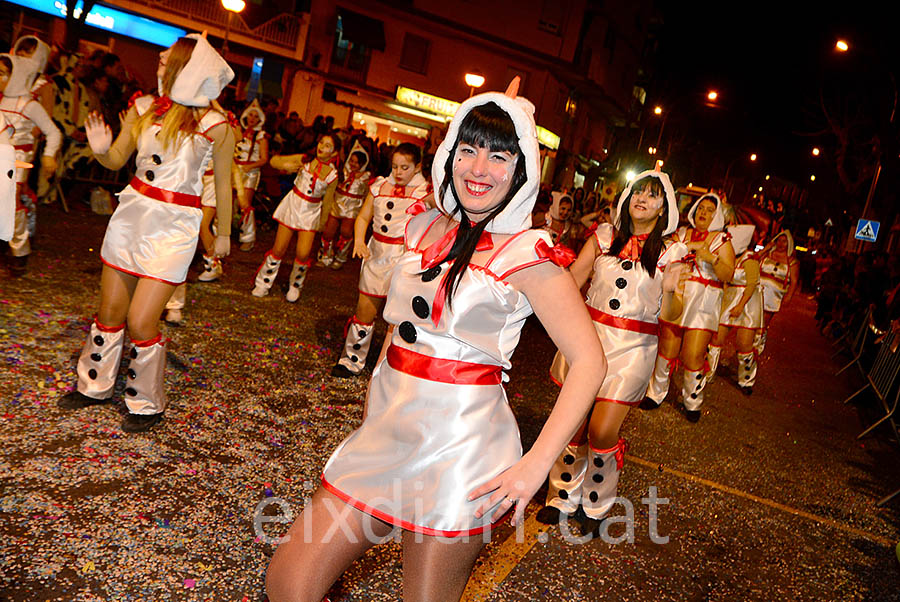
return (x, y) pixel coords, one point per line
(398, 191)
(437, 251)
(161, 105)
(134, 97)
(699, 235)
(632, 249)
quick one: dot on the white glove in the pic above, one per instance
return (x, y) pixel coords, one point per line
(98, 134)
(223, 246)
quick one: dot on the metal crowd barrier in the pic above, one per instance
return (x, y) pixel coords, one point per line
(863, 334)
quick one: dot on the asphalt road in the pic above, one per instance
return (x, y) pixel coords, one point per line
(770, 497)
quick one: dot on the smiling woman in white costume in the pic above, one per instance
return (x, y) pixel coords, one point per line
(152, 235)
(438, 454)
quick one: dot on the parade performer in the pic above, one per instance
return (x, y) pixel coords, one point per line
(742, 310)
(348, 200)
(688, 337)
(40, 87)
(152, 235)
(299, 211)
(23, 113)
(560, 225)
(251, 153)
(385, 207)
(438, 455)
(634, 273)
(7, 181)
(779, 274)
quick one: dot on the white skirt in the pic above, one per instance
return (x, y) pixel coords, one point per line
(297, 213)
(375, 273)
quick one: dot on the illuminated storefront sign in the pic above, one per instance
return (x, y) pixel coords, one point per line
(447, 108)
(110, 19)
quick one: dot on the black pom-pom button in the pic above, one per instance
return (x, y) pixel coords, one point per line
(408, 332)
(420, 307)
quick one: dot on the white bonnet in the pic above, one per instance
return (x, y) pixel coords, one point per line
(671, 201)
(204, 76)
(718, 220)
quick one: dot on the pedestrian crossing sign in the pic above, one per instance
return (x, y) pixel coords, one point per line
(867, 230)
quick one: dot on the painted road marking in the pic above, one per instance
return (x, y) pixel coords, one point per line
(505, 557)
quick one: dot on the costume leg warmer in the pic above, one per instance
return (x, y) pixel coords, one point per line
(567, 477)
(692, 389)
(759, 341)
(248, 226)
(99, 360)
(19, 245)
(298, 277)
(326, 252)
(266, 274)
(598, 494)
(178, 298)
(746, 369)
(145, 386)
(659, 382)
(356, 345)
(712, 358)
(212, 269)
(342, 254)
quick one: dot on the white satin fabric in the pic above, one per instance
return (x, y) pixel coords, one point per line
(150, 238)
(624, 289)
(7, 190)
(425, 445)
(389, 219)
(702, 303)
(247, 151)
(349, 196)
(98, 364)
(774, 278)
(752, 314)
(297, 213)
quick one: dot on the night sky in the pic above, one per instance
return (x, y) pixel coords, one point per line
(768, 62)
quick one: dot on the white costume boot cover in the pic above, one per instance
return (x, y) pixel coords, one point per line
(759, 341)
(176, 303)
(19, 244)
(326, 253)
(265, 275)
(598, 494)
(692, 389)
(248, 227)
(212, 269)
(746, 369)
(145, 385)
(659, 382)
(98, 364)
(342, 254)
(566, 478)
(712, 358)
(298, 277)
(356, 345)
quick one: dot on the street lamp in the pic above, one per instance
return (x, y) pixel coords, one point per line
(712, 95)
(815, 151)
(657, 110)
(812, 178)
(842, 46)
(474, 80)
(753, 156)
(232, 6)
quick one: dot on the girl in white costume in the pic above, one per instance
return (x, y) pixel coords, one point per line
(634, 274)
(779, 275)
(438, 454)
(299, 211)
(348, 200)
(689, 336)
(742, 310)
(23, 113)
(560, 225)
(152, 235)
(386, 206)
(251, 153)
(40, 87)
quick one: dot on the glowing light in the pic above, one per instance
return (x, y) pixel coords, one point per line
(659, 164)
(712, 95)
(760, 188)
(652, 150)
(768, 176)
(657, 110)
(474, 80)
(812, 178)
(842, 46)
(816, 151)
(234, 6)
(753, 157)
(629, 175)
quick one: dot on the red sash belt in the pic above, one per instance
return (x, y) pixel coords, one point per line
(388, 240)
(208, 172)
(24, 147)
(349, 194)
(704, 281)
(305, 197)
(623, 323)
(166, 196)
(244, 161)
(453, 372)
(779, 281)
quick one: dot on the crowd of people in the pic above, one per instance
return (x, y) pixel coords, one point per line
(464, 246)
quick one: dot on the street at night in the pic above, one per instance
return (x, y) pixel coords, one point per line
(771, 496)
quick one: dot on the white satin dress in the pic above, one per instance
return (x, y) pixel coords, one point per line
(438, 423)
(703, 289)
(389, 221)
(624, 302)
(752, 315)
(775, 279)
(349, 196)
(301, 207)
(153, 232)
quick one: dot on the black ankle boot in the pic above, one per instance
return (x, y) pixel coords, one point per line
(138, 423)
(649, 404)
(76, 401)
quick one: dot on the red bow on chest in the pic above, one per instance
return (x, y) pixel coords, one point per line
(632, 249)
(161, 105)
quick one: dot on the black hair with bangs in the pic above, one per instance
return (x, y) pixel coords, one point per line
(486, 126)
(653, 246)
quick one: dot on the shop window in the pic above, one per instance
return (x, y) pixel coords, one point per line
(414, 56)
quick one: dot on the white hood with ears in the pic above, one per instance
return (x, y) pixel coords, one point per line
(671, 201)
(718, 220)
(203, 77)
